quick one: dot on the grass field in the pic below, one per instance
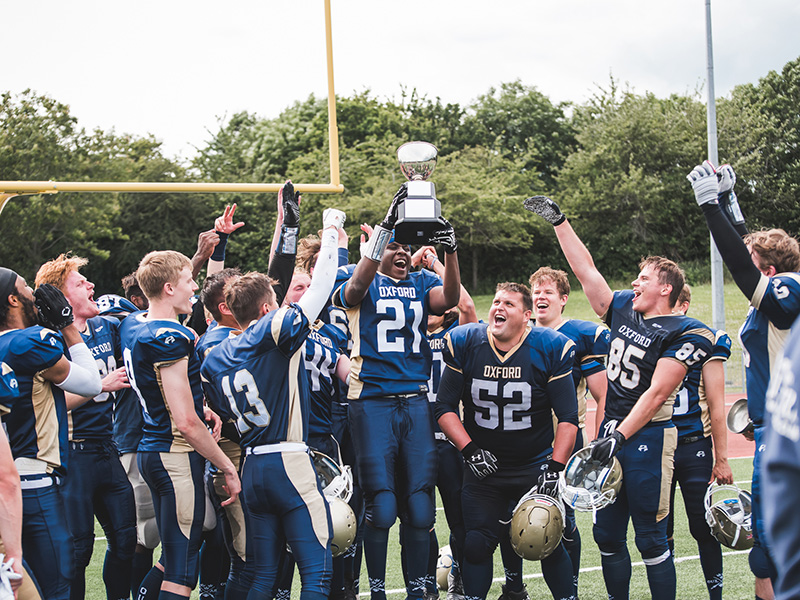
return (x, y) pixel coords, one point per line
(691, 586)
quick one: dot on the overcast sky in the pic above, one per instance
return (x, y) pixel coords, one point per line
(173, 68)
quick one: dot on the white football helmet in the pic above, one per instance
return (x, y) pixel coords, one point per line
(336, 480)
(728, 514)
(344, 525)
(537, 525)
(443, 566)
(586, 485)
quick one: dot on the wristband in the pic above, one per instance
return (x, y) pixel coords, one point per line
(469, 449)
(219, 249)
(287, 242)
(377, 243)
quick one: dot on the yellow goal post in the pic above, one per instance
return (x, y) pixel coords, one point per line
(9, 189)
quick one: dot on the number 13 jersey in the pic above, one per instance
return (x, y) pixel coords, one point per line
(637, 344)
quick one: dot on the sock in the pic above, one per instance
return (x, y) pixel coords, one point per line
(711, 562)
(375, 548)
(512, 565)
(116, 576)
(662, 580)
(150, 586)
(140, 567)
(617, 573)
(171, 596)
(433, 557)
(417, 542)
(572, 544)
(557, 573)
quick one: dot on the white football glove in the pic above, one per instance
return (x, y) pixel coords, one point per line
(333, 217)
(7, 575)
(726, 179)
(704, 183)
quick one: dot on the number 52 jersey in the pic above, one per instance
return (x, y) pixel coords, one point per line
(637, 344)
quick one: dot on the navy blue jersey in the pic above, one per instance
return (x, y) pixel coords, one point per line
(390, 354)
(508, 398)
(93, 420)
(637, 344)
(321, 355)
(115, 306)
(148, 347)
(591, 348)
(436, 342)
(258, 379)
(211, 338)
(37, 423)
(773, 309)
(690, 412)
(780, 475)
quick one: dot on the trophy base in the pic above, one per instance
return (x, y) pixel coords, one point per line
(417, 232)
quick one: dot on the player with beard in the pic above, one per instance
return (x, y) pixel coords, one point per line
(97, 484)
(702, 453)
(37, 424)
(764, 267)
(650, 351)
(509, 377)
(390, 420)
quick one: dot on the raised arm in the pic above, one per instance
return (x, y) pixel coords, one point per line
(446, 297)
(284, 240)
(427, 257)
(223, 228)
(580, 260)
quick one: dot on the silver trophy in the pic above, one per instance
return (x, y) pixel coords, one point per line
(420, 214)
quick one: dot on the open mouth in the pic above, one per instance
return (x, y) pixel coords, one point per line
(542, 305)
(499, 319)
(400, 262)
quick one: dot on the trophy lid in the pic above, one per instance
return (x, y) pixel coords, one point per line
(417, 159)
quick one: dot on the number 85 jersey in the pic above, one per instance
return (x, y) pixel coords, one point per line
(637, 344)
(508, 397)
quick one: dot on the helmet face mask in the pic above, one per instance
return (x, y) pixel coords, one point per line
(336, 480)
(537, 526)
(586, 485)
(728, 514)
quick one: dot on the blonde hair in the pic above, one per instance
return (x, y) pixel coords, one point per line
(159, 268)
(56, 271)
(245, 295)
(775, 248)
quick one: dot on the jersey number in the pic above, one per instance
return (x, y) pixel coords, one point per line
(489, 414)
(321, 363)
(104, 369)
(620, 363)
(256, 413)
(383, 307)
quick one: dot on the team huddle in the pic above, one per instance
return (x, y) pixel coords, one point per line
(290, 418)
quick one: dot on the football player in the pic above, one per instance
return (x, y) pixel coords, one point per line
(10, 491)
(509, 377)
(257, 379)
(650, 351)
(387, 308)
(699, 415)
(764, 266)
(781, 467)
(37, 424)
(163, 369)
(97, 483)
(550, 289)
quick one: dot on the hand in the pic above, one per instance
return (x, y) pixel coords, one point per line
(212, 418)
(545, 208)
(726, 179)
(604, 449)
(11, 574)
(232, 487)
(548, 483)
(446, 237)
(392, 215)
(749, 435)
(364, 240)
(225, 224)
(54, 310)
(722, 473)
(333, 217)
(424, 256)
(289, 202)
(206, 242)
(116, 380)
(704, 183)
(480, 462)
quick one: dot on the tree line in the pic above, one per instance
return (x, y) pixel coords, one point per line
(616, 164)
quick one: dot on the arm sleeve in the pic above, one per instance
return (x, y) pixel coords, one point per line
(281, 269)
(83, 377)
(317, 295)
(732, 249)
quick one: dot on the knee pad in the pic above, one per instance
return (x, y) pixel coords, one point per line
(607, 544)
(478, 548)
(759, 565)
(83, 548)
(382, 510)
(654, 549)
(420, 510)
(122, 543)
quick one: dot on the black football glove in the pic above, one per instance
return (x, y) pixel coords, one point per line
(604, 449)
(389, 221)
(481, 462)
(54, 310)
(446, 237)
(548, 480)
(291, 205)
(545, 208)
